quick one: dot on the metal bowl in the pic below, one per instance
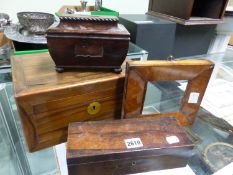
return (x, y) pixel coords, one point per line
(35, 22)
(4, 19)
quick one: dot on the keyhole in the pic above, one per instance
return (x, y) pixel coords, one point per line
(94, 108)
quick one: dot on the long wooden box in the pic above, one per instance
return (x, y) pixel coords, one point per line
(189, 12)
(126, 146)
(48, 101)
(88, 42)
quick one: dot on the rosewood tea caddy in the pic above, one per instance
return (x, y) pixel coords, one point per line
(126, 146)
(90, 42)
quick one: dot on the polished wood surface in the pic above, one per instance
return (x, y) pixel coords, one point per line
(48, 101)
(231, 40)
(99, 148)
(88, 42)
(189, 12)
(191, 21)
(138, 73)
(179, 8)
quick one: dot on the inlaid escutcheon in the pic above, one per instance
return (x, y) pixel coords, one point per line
(94, 108)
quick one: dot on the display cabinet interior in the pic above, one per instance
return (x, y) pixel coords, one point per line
(164, 96)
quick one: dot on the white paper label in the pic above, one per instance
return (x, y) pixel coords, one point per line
(193, 97)
(172, 139)
(133, 143)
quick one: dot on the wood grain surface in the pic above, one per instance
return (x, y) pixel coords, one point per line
(138, 73)
(48, 101)
(189, 12)
(99, 147)
(231, 40)
(88, 42)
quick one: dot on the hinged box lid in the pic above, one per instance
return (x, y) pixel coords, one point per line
(124, 139)
(89, 26)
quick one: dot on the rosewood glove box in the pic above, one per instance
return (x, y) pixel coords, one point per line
(126, 146)
(48, 101)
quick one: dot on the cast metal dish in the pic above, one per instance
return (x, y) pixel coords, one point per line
(35, 22)
(218, 155)
(4, 18)
(16, 32)
(4, 21)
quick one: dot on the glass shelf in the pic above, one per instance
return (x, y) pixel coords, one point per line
(207, 128)
(13, 147)
(136, 53)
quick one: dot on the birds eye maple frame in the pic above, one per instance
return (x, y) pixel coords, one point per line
(138, 74)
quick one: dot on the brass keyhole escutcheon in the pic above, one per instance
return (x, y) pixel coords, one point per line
(94, 108)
